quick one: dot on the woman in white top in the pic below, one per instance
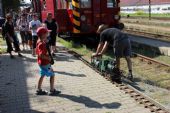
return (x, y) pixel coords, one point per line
(33, 26)
(23, 26)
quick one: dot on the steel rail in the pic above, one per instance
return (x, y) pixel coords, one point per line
(150, 59)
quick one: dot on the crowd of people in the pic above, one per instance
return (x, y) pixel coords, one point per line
(41, 39)
(27, 23)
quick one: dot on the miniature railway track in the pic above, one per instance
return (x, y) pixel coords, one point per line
(137, 95)
(160, 37)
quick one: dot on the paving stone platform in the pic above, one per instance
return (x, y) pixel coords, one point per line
(83, 90)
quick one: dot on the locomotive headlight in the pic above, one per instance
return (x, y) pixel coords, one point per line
(116, 17)
(83, 18)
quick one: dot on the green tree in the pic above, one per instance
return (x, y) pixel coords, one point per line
(10, 4)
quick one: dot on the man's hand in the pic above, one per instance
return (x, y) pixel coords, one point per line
(99, 54)
(96, 54)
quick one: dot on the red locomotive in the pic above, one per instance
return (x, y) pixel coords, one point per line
(80, 16)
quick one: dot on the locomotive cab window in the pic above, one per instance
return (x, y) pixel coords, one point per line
(44, 5)
(111, 3)
(70, 6)
(61, 4)
(85, 3)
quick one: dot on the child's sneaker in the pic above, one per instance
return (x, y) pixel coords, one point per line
(54, 92)
(41, 92)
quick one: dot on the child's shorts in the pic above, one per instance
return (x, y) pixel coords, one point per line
(46, 70)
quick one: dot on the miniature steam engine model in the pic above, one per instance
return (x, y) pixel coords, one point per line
(107, 67)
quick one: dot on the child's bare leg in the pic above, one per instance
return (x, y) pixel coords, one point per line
(40, 82)
(52, 83)
(53, 91)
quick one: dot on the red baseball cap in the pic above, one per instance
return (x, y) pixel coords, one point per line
(41, 31)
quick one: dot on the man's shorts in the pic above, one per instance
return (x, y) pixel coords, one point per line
(46, 70)
(123, 48)
(52, 40)
(24, 36)
(34, 41)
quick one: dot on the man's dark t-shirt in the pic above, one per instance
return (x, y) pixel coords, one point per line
(112, 35)
(9, 28)
(52, 26)
(120, 40)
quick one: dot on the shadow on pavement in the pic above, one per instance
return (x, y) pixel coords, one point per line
(13, 94)
(14, 90)
(88, 102)
(70, 74)
(134, 83)
(64, 57)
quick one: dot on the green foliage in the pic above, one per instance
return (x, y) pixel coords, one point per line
(2, 43)
(81, 49)
(140, 12)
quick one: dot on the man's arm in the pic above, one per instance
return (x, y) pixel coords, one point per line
(104, 48)
(99, 49)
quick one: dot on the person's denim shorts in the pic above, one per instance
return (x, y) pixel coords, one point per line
(46, 70)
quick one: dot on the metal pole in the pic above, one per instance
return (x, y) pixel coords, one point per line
(149, 9)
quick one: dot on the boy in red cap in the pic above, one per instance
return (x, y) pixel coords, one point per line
(44, 62)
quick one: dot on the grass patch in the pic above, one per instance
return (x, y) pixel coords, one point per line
(146, 15)
(165, 59)
(81, 49)
(2, 50)
(2, 43)
(152, 23)
(150, 74)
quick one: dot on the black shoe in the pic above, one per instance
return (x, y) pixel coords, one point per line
(130, 77)
(116, 71)
(12, 57)
(54, 92)
(53, 54)
(20, 55)
(41, 92)
(118, 81)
